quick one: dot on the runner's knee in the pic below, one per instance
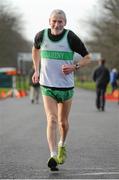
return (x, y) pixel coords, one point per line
(63, 123)
(52, 118)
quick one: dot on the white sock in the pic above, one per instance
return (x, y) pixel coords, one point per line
(53, 153)
(61, 143)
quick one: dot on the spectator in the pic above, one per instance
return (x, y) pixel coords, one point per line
(101, 76)
(113, 79)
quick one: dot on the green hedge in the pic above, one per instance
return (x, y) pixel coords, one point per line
(89, 85)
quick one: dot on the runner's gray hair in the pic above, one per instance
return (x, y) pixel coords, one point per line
(58, 12)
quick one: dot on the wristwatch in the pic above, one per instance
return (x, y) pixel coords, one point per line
(77, 66)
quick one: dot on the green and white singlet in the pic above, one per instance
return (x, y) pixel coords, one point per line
(54, 54)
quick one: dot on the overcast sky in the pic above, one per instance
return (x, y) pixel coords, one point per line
(35, 14)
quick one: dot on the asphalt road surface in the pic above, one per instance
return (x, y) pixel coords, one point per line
(92, 142)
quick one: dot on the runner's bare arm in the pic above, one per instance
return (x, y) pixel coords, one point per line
(36, 63)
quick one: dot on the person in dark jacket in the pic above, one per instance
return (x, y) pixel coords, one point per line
(101, 76)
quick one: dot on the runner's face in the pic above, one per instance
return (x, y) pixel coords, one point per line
(57, 23)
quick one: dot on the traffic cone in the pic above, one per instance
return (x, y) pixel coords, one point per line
(17, 93)
(9, 93)
(22, 93)
(3, 94)
(116, 94)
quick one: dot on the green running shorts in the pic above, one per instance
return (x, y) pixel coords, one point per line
(58, 94)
